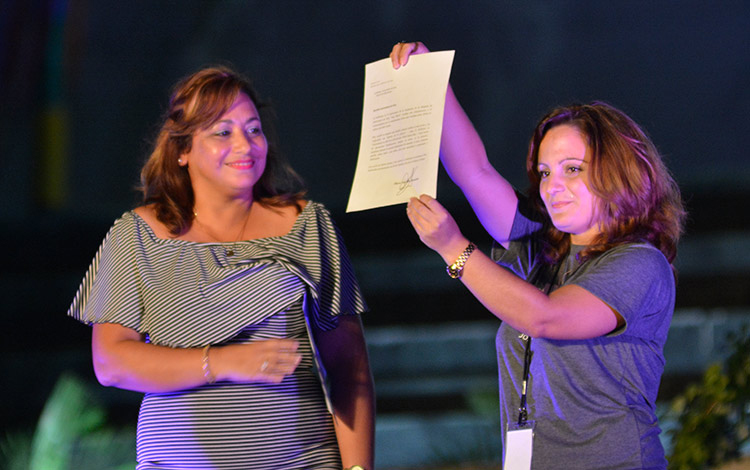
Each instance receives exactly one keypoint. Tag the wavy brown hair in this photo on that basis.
(637, 198)
(197, 102)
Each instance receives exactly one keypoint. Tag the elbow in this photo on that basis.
(110, 347)
(354, 375)
(533, 331)
(358, 375)
(536, 329)
(540, 319)
(103, 376)
(364, 380)
(105, 372)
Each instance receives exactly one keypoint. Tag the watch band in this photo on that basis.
(456, 269)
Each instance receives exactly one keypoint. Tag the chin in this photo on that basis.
(560, 226)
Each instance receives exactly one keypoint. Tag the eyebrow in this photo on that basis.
(230, 121)
(566, 159)
(563, 161)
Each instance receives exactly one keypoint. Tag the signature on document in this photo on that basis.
(406, 182)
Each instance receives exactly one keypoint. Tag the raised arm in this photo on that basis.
(122, 359)
(464, 157)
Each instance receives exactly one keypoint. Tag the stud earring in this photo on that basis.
(179, 160)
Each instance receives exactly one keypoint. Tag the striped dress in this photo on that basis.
(184, 294)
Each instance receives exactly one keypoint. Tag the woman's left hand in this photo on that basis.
(435, 226)
(402, 50)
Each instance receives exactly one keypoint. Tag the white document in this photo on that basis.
(402, 121)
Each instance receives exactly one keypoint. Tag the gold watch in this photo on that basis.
(456, 269)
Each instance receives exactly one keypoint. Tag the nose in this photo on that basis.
(552, 185)
(243, 142)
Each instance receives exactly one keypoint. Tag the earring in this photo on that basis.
(179, 160)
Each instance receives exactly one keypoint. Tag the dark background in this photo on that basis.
(83, 84)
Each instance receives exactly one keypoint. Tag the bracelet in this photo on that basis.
(456, 269)
(206, 369)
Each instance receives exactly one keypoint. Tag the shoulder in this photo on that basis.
(147, 214)
(313, 211)
(636, 280)
(316, 208)
(123, 234)
(127, 223)
(641, 255)
(627, 265)
(317, 219)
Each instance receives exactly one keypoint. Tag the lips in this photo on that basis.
(242, 165)
(559, 205)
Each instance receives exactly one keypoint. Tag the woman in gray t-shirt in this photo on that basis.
(580, 275)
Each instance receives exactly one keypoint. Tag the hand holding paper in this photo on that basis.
(402, 120)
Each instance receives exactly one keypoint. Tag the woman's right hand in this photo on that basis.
(402, 50)
(260, 361)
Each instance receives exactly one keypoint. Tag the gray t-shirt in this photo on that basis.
(593, 400)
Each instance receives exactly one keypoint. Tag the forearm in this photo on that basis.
(512, 300)
(134, 365)
(570, 312)
(122, 359)
(505, 295)
(354, 407)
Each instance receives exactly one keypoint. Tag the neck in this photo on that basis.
(226, 224)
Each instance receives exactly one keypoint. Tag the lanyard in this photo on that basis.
(523, 414)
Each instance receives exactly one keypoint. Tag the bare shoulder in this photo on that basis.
(289, 212)
(148, 214)
(273, 221)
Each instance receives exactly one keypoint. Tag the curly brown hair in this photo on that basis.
(197, 102)
(638, 200)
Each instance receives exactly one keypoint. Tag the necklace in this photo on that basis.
(230, 251)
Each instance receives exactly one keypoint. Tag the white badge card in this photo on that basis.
(518, 445)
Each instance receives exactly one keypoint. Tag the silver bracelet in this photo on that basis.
(206, 368)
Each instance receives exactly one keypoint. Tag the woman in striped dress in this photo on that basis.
(230, 301)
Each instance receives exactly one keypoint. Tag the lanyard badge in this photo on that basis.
(519, 436)
(518, 446)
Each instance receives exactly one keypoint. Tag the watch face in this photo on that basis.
(453, 271)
